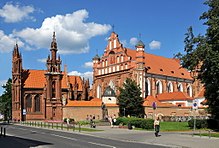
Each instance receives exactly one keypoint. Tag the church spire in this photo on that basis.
(53, 43)
(16, 51)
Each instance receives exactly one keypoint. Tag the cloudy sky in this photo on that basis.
(82, 28)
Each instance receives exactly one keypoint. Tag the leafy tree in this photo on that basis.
(5, 101)
(129, 100)
(202, 53)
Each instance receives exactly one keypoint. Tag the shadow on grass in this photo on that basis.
(15, 142)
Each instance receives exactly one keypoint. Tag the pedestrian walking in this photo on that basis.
(157, 126)
(110, 121)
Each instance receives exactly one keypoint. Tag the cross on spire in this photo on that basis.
(97, 51)
(113, 27)
(139, 36)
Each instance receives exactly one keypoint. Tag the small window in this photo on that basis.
(161, 69)
(172, 71)
(182, 74)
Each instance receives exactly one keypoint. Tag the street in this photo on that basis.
(23, 137)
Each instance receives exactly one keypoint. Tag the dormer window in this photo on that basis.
(172, 71)
(161, 69)
(182, 74)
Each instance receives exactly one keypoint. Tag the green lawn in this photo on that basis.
(174, 126)
(207, 134)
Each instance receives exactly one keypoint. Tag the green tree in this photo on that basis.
(129, 100)
(5, 101)
(202, 52)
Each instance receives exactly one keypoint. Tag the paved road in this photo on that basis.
(23, 137)
(169, 139)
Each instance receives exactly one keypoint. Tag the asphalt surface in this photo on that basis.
(167, 139)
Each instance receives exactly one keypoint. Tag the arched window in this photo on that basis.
(147, 87)
(169, 87)
(98, 91)
(158, 87)
(37, 103)
(189, 91)
(112, 85)
(179, 87)
(28, 103)
(112, 57)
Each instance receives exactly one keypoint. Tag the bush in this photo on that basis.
(213, 124)
(199, 123)
(137, 122)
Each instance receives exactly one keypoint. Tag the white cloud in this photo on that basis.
(15, 13)
(124, 43)
(43, 60)
(133, 41)
(7, 42)
(86, 75)
(88, 64)
(72, 32)
(3, 82)
(155, 44)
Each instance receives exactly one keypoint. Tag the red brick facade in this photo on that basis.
(42, 94)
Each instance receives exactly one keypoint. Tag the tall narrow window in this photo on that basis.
(189, 91)
(147, 87)
(28, 103)
(53, 89)
(37, 103)
(158, 87)
(180, 88)
(170, 87)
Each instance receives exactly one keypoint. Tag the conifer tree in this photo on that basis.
(129, 100)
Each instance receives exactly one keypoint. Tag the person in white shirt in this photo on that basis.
(157, 126)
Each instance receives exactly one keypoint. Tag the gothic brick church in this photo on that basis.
(41, 94)
(161, 79)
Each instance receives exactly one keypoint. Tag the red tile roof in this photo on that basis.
(162, 65)
(36, 79)
(150, 99)
(84, 103)
(174, 96)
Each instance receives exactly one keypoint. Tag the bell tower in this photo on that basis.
(53, 84)
(16, 84)
(140, 63)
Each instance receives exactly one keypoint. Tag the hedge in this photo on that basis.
(137, 122)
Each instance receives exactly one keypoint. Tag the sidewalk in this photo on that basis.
(169, 139)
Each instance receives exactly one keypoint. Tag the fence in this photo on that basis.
(51, 125)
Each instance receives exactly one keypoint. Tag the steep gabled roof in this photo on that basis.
(36, 79)
(162, 65)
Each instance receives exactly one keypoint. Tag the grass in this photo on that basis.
(207, 134)
(174, 126)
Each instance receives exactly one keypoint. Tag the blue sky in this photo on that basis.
(82, 28)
